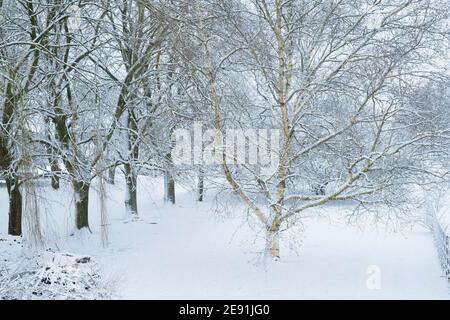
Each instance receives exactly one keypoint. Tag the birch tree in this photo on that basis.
(330, 74)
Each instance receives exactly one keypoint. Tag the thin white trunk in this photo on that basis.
(273, 244)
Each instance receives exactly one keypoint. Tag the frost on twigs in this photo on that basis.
(55, 276)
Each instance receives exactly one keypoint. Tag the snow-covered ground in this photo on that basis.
(194, 251)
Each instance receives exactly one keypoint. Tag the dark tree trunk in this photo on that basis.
(131, 191)
(7, 161)
(130, 168)
(169, 188)
(81, 204)
(112, 175)
(15, 207)
(54, 167)
(169, 182)
(201, 185)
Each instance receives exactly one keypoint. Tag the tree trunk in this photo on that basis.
(273, 237)
(15, 207)
(111, 175)
(169, 188)
(54, 167)
(201, 185)
(130, 168)
(7, 160)
(81, 189)
(131, 190)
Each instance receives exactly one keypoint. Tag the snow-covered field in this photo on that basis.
(194, 251)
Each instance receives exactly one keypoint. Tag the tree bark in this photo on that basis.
(201, 185)
(169, 182)
(15, 207)
(169, 188)
(273, 243)
(273, 237)
(111, 175)
(7, 161)
(81, 189)
(129, 166)
(55, 170)
(131, 190)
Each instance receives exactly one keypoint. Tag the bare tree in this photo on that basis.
(330, 75)
(20, 54)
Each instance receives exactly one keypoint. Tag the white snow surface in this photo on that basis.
(192, 250)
